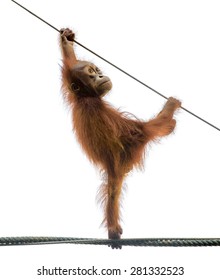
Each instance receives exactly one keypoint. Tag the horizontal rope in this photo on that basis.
(147, 242)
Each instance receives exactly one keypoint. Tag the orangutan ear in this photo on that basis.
(75, 87)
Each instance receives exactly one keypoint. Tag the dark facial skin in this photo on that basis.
(89, 76)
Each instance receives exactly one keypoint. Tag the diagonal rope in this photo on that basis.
(146, 242)
(126, 73)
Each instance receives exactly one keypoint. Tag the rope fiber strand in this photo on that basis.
(146, 242)
(126, 73)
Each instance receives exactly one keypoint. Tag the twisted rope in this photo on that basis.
(150, 242)
(144, 242)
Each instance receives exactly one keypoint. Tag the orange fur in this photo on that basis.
(111, 139)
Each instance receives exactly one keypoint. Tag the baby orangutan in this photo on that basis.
(111, 140)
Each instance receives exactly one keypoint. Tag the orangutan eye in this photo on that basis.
(91, 70)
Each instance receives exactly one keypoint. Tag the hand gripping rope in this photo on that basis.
(157, 242)
(126, 73)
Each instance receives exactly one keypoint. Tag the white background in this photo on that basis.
(48, 187)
